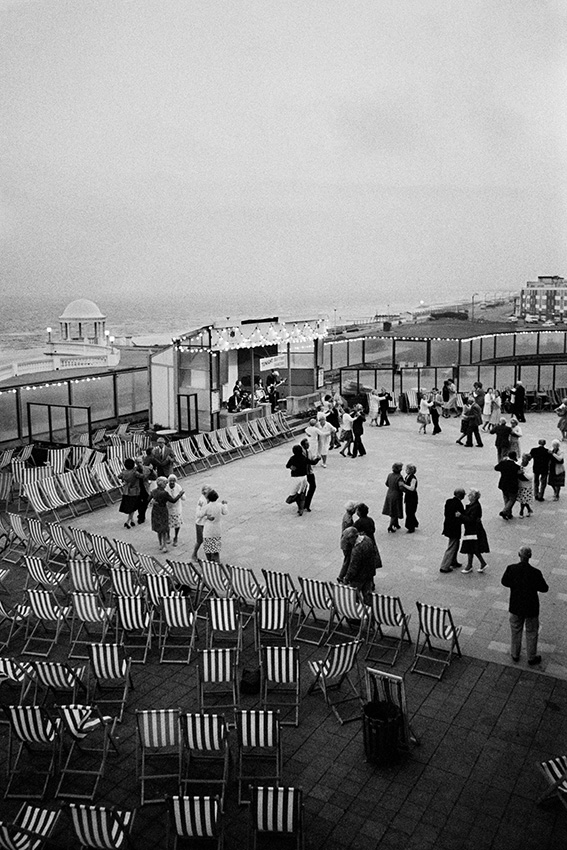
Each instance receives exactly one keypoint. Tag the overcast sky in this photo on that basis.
(276, 152)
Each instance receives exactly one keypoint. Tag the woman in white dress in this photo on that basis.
(174, 509)
(326, 431)
(424, 415)
(515, 437)
(495, 409)
(487, 409)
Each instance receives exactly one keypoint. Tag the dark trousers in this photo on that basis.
(472, 430)
(540, 483)
(509, 497)
(312, 487)
(384, 417)
(143, 500)
(435, 420)
(357, 447)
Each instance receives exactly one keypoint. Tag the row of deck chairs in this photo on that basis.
(69, 494)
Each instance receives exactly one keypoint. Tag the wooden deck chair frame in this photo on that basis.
(30, 829)
(90, 622)
(224, 624)
(348, 615)
(314, 596)
(134, 621)
(60, 680)
(246, 589)
(102, 827)
(555, 772)
(280, 682)
(237, 441)
(251, 438)
(206, 754)
(31, 730)
(91, 736)
(196, 818)
(280, 584)
(18, 540)
(158, 742)
(217, 678)
(199, 463)
(91, 488)
(276, 810)
(437, 623)
(202, 450)
(179, 630)
(332, 671)
(112, 672)
(390, 688)
(272, 622)
(386, 612)
(44, 610)
(187, 579)
(234, 450)
(215, 580)
(259, 740)
(17, 618)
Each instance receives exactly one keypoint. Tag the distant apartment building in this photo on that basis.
(545, 298)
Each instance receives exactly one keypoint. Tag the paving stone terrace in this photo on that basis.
(472, 782)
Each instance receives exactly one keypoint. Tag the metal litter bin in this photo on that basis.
(381, 722)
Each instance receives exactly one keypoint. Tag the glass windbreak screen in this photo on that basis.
(444, 352)
(486, 376)
(339, 355)
(8, 416)
(378, 351)
(98, 395)
(355, 352)
(426, 379)
(366, 380)
(526, 344)
(411, 351)
(504, 377)
(487, 348)
(409, 379)
(551, 343)
(467, 377)
(349, 382)
(504, 345)
(475, 353)
(529, 378)
(561, 377)
(545, 376)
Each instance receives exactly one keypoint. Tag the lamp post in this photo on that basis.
(335, 312)
(48, 335)
(475, 295)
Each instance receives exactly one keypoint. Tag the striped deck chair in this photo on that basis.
(90, 488)
(224, 624)
(270, 425)
(198, 463)
(18, 540)
(271, 622)
(40, 576)
(16, 680)
(60, 680)
(104, 555)
(255, 431)
(122, 429)
(555, 772)
(87, 458)
(32, 731)
(205, 452)
(127, 555)
(4, 573)
(44, 623)
(206, 754)
(91, 737)
(259, 743)
(58, 504)
(99, 437)
(196, 818)
(283, 425)
(84, 439)
(57, 459)
(134, 626)
(180, 463)
(150, 566)
(60, 543)
(158, 585)
(84, 578)
(102, 827)
(389, 688)
(246, 589)
(233, 450)
(36, 499)
(266, 432)
(26, 453)
(386, 612)
(436, 623)
(331, 672)
(116, 450)
(280, 682)
(125, 582)
(12, 621)
(29, 830)
(114, 468)
(218, 451)
(179, 630)
(111, 669)
(108, 485)
(6, 458)
(40, 540)
(187, 579)
(158, 742)
(276, 811)
(412, 402)
(67, 482)
(77, 452)
(315, 596)
(6, 486)
(238, 442)
(91, 621)
(81, 540)
(249, 439)
(217, 680)
(215, 579)
(349, 615)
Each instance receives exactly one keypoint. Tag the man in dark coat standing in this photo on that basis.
(519, 401)
(364, 561)
(502, 433)
(357, 431)
(384, 400)
(474, 421)
(312, 484)
(509, 470)
(163, 458)
(454, 510)
(525, 582)
(541, 459)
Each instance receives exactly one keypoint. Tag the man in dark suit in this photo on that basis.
(384, 400)
(502, 433)
(525, 582)
(357, 431)
(163, 457)
(454, 510)
(509, 470)
(474, 420)
(541, 459)
(519, 401)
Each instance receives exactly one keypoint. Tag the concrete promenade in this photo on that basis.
(472, 781)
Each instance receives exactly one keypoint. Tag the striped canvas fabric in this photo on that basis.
(99, 827)
(79, 720)
(177, 612)
(281, 664)
(276, 809)
(196, 817)
(30, 819)
(217, 665)
(215, 578)
(127, 554)
(556, 771)
(60, 677)
(42, 575)
(159, 727)
(108, 661)
(51, 494)
(272, 615)
(185, 573)
(32, 724)
(315, 594)
(280, 584)
(339, 661)
(204, 731)
(16, 672)
(223, 615)
(158, 586)
(57, 459)
(258, 728)
(436, 622)
(387, 610)
(44, 607)
(103, 552)
(39, 535)
(346, 602)
(81, 541)
(60, 539)
(124, 582)
(88, 609)
(132, 613)
(83, 576)
(35, 497)
(244, 584)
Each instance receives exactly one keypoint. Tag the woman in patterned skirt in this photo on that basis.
(160, 517)
(212, 514)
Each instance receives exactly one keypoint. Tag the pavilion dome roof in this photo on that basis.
(81, 308)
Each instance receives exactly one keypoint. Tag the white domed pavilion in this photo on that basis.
(82, 321)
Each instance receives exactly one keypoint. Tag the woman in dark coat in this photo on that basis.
(474, 540)
(409, 486)
(393, 503)
(131, 477)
